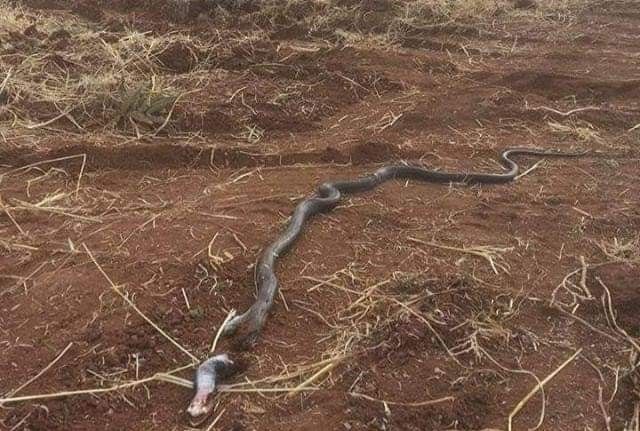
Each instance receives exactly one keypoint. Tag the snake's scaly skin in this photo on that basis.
(327, 196)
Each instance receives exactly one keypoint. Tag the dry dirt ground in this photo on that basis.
(162, 145)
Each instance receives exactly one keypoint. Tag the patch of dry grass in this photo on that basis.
(63, 68)
(579, 130)
(61, 71)
(393, 18)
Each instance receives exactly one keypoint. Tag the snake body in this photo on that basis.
(327, 196)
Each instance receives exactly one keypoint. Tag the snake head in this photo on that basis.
(207, 376)
(201, 404)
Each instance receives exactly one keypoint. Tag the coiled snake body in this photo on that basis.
(327, 196)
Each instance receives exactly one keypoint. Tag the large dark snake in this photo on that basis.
(327, 197)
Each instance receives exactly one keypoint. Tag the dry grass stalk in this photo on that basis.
(11, 218)
(492, 254)
(582, 131)
(430, 327)
(94, 391)
(524, 372)
(624, 251)
(531, 169)
(603, 409)
(587, 324)
(161, 376)
(607, 304)
(216, 420)
(99, 93)
(230, 316)
(116, 289)
(302, 386)
(537, 388)
(44, 206)
(578, 292)
(402, 403)
(561, 113)
(82, 156)
(300, 371)
(12, 392)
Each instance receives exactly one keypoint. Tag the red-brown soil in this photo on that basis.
(272, 118)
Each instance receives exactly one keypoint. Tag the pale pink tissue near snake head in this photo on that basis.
(206, 381)
(200, 404)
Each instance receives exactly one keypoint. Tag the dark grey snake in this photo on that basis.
(326, 198)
